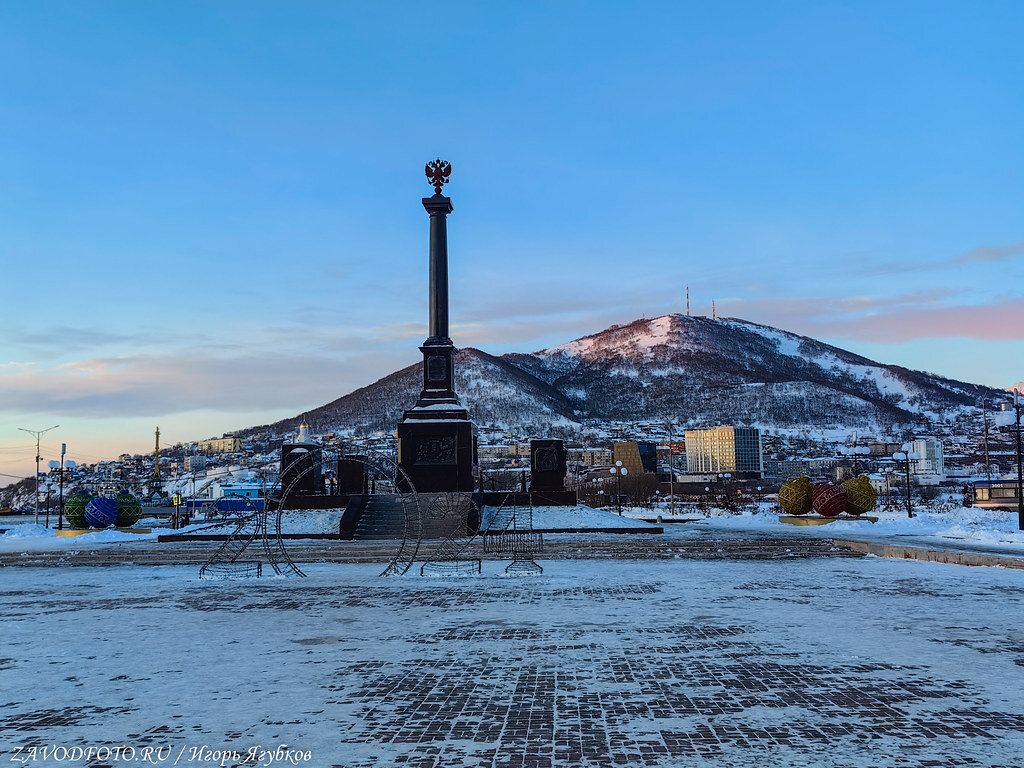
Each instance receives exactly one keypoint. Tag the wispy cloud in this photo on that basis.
(905, 317)
(1002, 321)
(988, 253)
(991, 253)
(169, 384)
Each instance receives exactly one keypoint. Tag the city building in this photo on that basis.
(221, 445)
(194, 463)
(724, 449)
(591, 457)
(638, 458)
(931, 463)
(249, 490)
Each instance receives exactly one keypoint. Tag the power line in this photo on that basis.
(38, 433)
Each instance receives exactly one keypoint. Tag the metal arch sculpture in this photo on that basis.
(386, 478)
(455, 511)
(510, 532)
(226, 561)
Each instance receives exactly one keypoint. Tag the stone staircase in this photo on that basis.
(384, 518)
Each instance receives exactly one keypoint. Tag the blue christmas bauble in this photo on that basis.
(101, 512)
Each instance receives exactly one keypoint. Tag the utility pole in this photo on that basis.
(38, 433)
(60, 514)
(1020, 467)
(988, 464)
(910, 512)
(671, 448)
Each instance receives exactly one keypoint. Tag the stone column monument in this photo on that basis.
(435, 437)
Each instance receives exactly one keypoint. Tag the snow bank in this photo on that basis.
(579, 517)
(970, 524)
(292, 521)
(28, 531)
(960, 525)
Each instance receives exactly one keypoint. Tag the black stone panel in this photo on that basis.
(437, 455)
(547, 465)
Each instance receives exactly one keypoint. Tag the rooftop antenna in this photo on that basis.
(687, 301)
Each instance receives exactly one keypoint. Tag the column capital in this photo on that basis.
(438, 204)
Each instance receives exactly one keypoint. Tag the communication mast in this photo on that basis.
(687, 301)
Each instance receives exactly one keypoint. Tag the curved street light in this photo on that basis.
(907, 456)
(618, 470)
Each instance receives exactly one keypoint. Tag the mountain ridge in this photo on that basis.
(692, 370)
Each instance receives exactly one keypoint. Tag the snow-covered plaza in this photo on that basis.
(663, 662)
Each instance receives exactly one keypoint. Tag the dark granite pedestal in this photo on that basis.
(437, 455)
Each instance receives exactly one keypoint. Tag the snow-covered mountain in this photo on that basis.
(693, 370)
(494, 391)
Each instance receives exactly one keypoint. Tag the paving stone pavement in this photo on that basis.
(842, 663)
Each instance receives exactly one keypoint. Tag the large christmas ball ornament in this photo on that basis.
(795, 496)
(129, 510)
(861, 496)
(101, 512)
(828, 499)
(74, 509)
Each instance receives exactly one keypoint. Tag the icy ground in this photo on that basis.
(947, 526)
(837, 662)
(965, 528)
(37, 538)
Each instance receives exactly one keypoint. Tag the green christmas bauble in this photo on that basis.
(129, 510)
(74, 509)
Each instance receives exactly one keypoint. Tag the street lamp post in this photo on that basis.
(38, 433)
(1020, 466)
(906, 456)
(48, 487)
(618, 470)
(984, 422)
(854, 451)
(60, 515)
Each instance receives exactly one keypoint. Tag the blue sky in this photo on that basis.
(210, 216)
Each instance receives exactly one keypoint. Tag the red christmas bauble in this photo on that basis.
(828, 500)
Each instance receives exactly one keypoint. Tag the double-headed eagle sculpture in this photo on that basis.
(438, 172)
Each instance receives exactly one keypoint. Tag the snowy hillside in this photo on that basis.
(691, 369)
(733, 371)
(495, 392)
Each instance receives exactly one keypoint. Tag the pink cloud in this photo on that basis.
(887, 320)
(1003, 321)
